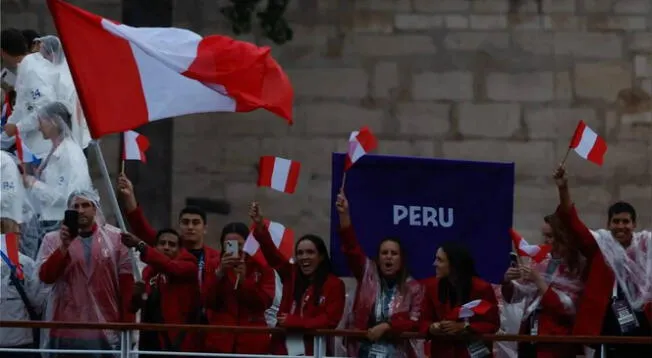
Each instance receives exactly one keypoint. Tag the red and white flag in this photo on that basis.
(588, 144)
(537, 252)
(283, 239)
(278, 173)
(360, 143)
(127, 77)
(135, 146)
(472, 308)
(9, 252)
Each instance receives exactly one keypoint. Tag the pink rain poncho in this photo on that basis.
(92, 282)
(404, 307)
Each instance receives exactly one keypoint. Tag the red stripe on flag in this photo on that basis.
(19, 147)
(265, 170)
(293, 177)
(104, 70)
(598, 151)
(577, 136)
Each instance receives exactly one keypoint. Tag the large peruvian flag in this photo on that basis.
(127, 77)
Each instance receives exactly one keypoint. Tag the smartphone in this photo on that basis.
(231, 247)
(513, 259)
(71, 220)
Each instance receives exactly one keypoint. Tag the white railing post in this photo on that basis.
(125, 344)
(319, 346)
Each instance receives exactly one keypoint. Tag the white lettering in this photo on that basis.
(424, 216)
(400, 213)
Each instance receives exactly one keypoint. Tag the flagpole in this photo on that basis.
(114, 202)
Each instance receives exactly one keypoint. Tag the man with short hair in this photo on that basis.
(91, 276)
(617, 290)
(35, 81)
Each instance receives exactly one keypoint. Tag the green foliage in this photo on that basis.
(275, 27)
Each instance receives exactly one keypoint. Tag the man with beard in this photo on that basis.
(91, 277)
(617, 289)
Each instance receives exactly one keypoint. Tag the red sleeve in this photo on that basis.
(579, 232)
(552, 303)
(428, 311)
(488, 323)
(54, 266)
(126, 282)
(258, 293)
(648, 311)
(213, 290)
(184, 266)
(331, 310)
(140, 226)
(273, 256)
(355, 257)
(409, 321)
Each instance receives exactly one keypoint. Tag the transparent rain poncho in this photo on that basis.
(52, 50)
(12, 190)
(87, 289)
(63, 171)
(632, 266)
(565, 286)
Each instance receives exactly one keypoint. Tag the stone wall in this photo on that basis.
(433, 78)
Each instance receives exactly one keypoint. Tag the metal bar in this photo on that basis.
(63, 351)
(199, 354)
(114, 202)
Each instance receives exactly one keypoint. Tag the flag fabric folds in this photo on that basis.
(127, 77)
(134, 146)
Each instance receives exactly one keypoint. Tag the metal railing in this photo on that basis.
(320, 337)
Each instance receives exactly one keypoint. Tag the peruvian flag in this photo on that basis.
(360, 143)
(22, 152)
(135, 146)
(278, 173)
(537, 252)
(472, 308)
(6, 110)
(127, 77)
(283, 239)
(588, 144)
(9, 252)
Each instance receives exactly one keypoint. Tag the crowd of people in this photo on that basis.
(76, 267)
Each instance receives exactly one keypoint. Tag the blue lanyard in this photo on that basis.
(12, 267)
(200, 272)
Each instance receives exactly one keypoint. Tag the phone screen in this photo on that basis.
(513, 260)
(71, 221)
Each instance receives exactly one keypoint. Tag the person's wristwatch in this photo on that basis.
(141, 246)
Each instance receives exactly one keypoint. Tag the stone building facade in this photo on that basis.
(432, 78)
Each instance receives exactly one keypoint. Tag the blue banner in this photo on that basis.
(426, 202)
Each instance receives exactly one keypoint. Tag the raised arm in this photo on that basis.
(568, 214)
(355, 256)
(135, 216)
(272, 254)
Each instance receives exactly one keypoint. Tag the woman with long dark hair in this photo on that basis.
(238, 293)
(387, 300)
(313, 297)
(458, 302)
(550, 289)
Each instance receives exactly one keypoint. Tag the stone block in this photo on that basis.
(385, 79)
(534, 158)
(522, 87)
(337, 118)
(488, 22)
(223, 124)
(342, 83)
(592, 6)
(397, 45)
(423, 119)
(628, 126)
(552, 123)
(373, 22)
(417, 22)
(563, 86)
(382, 5)
(627, 159)
(614, 76)
(643, 66)
(24, 20)
(314, 153)
(536, 42)
(476, 41)
(550, 6)
(409, 148)
(597, 45)
(456, 22)
(490, 6)
(634, 7)
(640, 196)
(494, 120)
(456, 85)
(529, 198)
(641, 41)
(441, 6)
(625, 23)
(590, 198)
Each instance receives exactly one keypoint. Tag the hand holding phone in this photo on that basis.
(231, 248)
(71, 221)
